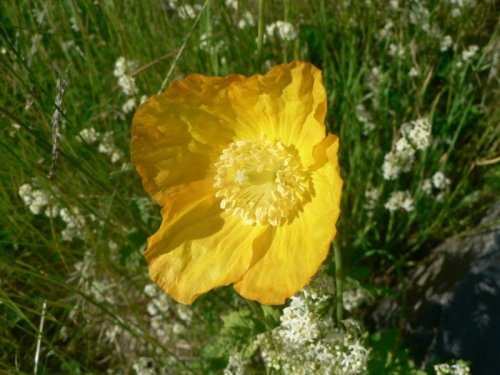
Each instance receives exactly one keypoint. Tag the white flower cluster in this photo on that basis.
(467, 55)
(122, 71)
(144, 366)
(458, 368)
(246, 20)
(396, 50)
(372, 196)
(355, 297)
(75, 224)
(446, 43)
(458, 6)
(106, 144)
(438, 182)
(235, 365)
(283, 30)
(400, 200)
(188, 12)
(365, 118)
(39, 201)
(307, 343)
(414, 136)
(159, 308)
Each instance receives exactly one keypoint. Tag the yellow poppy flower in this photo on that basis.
(247, 178)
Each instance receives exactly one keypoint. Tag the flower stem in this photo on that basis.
(260, 34)
(286, 19)
(338, 283)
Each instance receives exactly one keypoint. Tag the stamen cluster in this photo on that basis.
(261, 182)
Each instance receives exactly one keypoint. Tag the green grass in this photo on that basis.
(41, 40)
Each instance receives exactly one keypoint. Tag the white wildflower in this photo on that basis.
(120, 67)
(446, 43)
(427, 186)
(458, 368)
(186, 12)
(400, 200)
(143, 99)
(24, 192)
(246, 20)
(75, 223)
(14, 129)
(127, 84)
(74, 24)
(395, 50)
(298, 325)
(52, 211)
(36, 200)
(116, 156)
(394, 4)
(232, 4)
(107, 144)
(354, 298)
(413, 72)
(440, 181)
(365, 118)
(89, 135)
(144, 366)
(129, 105)
(420, 134)
(386, 30)
(469, 53)
(284, 30)
(235, 365)
(456, 12)
(372, 196)
(3, 51)
(391, 167)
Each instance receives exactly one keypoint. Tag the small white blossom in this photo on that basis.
(188, 12)
(14, 129)
(246, 20)
(74, 24)
(284, 30)
(469, 53)
(372, 196)
(400, 200)
(123, 67)
(89, 135)
(127, 84)
(446, 43)
(420, 134)
(440, 181)
(427, 186)
(232, 4)
(413, 72)
(458, 368)
(235, 365)
(456, 12)
(395, 50)
(129, 105)
(75, 223)
(143, 366)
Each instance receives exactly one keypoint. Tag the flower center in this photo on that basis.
(261, 182)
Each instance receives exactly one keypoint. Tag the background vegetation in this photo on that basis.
(72, 232)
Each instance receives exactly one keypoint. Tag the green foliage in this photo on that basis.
(99, 316)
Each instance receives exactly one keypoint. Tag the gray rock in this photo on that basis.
(453, 301)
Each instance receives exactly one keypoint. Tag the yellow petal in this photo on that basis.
(198, 247)
(287, 104)
(175, 137)
(286, 257)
